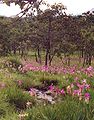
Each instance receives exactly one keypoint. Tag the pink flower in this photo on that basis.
(84, 81)
(57, 90)
(90, 68)
(87, 97)
(19, 82)
(72, 85)
(87, 86)
(81, 86)
(90, 75)
(51, 87)
(78, 84)
(2, 85)
(76, 78)
(77, 92)
(32, 92)
(62, 92)
(72, 71)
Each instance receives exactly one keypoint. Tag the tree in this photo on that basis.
(4, 35)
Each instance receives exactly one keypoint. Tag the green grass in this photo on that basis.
(13, 98)
(69, 109)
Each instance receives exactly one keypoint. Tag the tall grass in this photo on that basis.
(69, 109)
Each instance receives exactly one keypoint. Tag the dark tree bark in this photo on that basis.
(46, 57)
(48, 44)
(36, 57)
(39, 55)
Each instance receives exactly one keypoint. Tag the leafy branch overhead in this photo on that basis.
(25, 5)
(19, 2)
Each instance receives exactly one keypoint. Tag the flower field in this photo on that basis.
(31, 92)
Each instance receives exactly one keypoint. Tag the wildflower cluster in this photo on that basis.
(89, 71)
(77, 89)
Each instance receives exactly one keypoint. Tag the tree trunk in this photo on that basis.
(19, 50)
(69, 60)
(22, 53)
(39, 55)
(36, 57)
(51, 58)
(46, 57)
(87, 59)
(90, 58)
(82, 53)
(48, 45)
(14, 50)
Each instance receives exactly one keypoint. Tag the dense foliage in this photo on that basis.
(51, 31)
